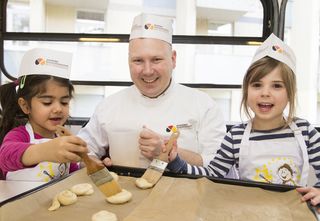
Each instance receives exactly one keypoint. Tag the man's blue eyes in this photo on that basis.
(153, 60)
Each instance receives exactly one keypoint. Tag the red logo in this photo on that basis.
(277, 48)
(149, 26)
(40, 61)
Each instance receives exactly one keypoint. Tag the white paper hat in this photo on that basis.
(46, 62)
(275, 48)
(152, 26)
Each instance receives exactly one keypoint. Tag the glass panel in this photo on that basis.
(216, 64)
(306, 48)
(192, 17)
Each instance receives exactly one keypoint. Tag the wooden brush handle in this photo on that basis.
(92, 165)
(164, 155)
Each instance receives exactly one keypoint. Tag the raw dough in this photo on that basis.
(115, 176)
(89, 192)
(82, 189)
(67, 197)
(122, 197)
(55, 204)
(143, 183)
(104, 215)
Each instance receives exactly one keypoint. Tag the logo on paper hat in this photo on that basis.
(275, 48)
(152, 26)
(46, 62)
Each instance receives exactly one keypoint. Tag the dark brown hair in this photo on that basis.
(11, 113)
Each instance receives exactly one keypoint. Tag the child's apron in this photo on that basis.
(44, 171)
(282, 161)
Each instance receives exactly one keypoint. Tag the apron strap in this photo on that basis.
(30, 132)
(243, 151)
(302, 144)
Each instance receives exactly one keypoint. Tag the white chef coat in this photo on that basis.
(44, 171)
(119, 119)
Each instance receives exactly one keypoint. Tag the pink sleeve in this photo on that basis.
(73, 167)
(12, 149)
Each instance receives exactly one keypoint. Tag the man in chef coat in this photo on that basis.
(132, 126)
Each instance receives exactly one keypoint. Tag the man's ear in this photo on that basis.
(174, 57)
(24, 105)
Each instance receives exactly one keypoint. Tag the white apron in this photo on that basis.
(44, 171)
(282, 161)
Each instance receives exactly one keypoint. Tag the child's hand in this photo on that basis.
(59, 150)
(310, 193)
(174, 152)
(67, 149)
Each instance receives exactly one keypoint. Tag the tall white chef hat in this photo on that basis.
(46, 62)
(275, 48)
(152, 26)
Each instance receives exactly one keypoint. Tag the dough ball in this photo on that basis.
(55, 204)
(89, 192)
(115, 176)
(67, 197)
(122, 197)
(104, 215)
(82, 189)
(143, 183)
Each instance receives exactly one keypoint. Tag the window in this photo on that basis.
(301, 32)
(209, 35)
(89, 22)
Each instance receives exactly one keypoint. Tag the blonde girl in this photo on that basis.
(270, 147)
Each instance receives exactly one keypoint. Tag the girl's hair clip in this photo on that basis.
(22, 81)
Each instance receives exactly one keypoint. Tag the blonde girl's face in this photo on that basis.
(49, 109)
(267, 98)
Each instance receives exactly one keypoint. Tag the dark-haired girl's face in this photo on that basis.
(49, 109)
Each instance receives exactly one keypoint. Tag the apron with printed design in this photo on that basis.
(279, 162)
(44, 171)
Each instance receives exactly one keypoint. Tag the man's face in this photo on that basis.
(151, 62)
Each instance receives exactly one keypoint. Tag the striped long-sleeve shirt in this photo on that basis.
(228, 154)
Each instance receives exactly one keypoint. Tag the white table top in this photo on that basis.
(9, 189)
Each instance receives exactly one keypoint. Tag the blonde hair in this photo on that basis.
(261, 68)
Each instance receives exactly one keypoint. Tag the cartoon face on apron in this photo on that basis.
(282, 161)
(44, 171)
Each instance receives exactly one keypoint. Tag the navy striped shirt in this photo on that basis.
(228, 154)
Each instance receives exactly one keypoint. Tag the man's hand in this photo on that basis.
(107, 161)
(151, 143)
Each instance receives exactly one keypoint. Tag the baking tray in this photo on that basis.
(138, 172)
(33, 190)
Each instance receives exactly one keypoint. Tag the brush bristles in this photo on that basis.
(105, 182)
(152, 175)
(110, 188)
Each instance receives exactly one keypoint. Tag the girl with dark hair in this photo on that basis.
(31, 108)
